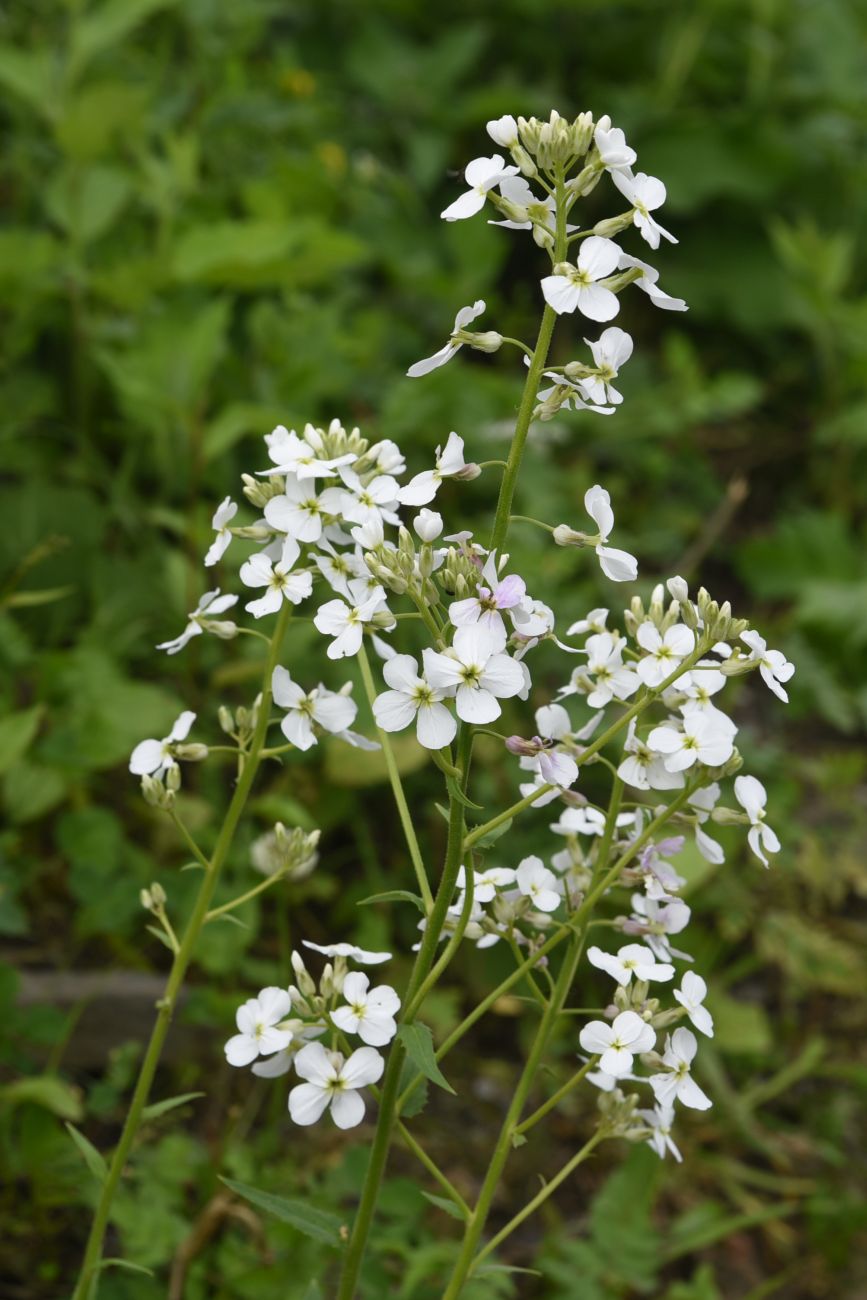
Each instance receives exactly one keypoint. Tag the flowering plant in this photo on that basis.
(444, 634)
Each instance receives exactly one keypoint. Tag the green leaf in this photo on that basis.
(162, 1107)
(16, 732)
(393, 896)
(443, 1203)
(86, 208)
(47, 1091)
(126, 1265)
(417, 1100)
(418, 1041)
(493, 835)
(107, 26)
(92, 1158)
(321, 1225)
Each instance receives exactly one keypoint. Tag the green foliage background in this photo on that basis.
(216, 217)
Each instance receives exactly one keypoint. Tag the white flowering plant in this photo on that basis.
(443, 631)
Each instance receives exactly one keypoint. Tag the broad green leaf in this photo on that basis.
(443, 1203)
(321, 1225)
(16, 733)
(418, 1042)
(92, 1158)
(163, 1107)
(86, 206)
(394, 896)
(47, 1091)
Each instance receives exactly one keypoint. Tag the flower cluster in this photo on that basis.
(284, 1028)
(453, 628)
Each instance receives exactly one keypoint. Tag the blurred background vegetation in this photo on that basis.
(216, 217)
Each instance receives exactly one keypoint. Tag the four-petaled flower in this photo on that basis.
(226, 510)
(645, 193)
(154, 757)
(300, 510)
(659, 1121)
(631, 960)
(611, 350)
(702, 740)
(614, 153)
(211, 604)
(478, 673)
(617, 565)
(346, 623)
(616, 1044)
(449, 463)
(691, 995)
(333, 1081)
(368, 1012)
(482, 174)
(494, 594)
(274, 571)
(677, 1084)
(773, 664)
(258, 1033)
(537, 883)
(664, 651)
(329, 710)
(413, 698)
(573, 288)
(752, 797)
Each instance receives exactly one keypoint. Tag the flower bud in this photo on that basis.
(523, 161)
(582, 134)
(260, 491)
(302, 975)
(224, 717)
(586, 180)
(173, 778)
(678, 589)
(428, 525)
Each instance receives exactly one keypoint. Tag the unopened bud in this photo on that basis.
(587, 180)
(173, 778)
(678, 589)
(526, 748)
(428, 525)
(260, 491)
(302, 975)
(224, 717)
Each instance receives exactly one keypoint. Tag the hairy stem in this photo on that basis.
(88, 1278)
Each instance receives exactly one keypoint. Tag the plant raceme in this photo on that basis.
(445, 632)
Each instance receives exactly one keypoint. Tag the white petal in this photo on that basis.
(436, 726)
(364, 1066)
(307, 1102)
(241, 1050)
(561, 293)
(476, 705)
(146, 757)
(347, 1109)
(314, 1064)
(393, 711)
(595, 1037)
(597, 303)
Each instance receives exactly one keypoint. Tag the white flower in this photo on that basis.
(644, 193)
(333, 1081)
(296, 456)
(427, 364)
(773, 665)
(644, 770)
(482, 174)
(225, 511)
(537, 883)
(660, 1120)
(664, 652)
(449, 463)
(703, 802)
(479, 674)
(494, 594)
(299, 510)
(154, 757)
(413, 699)
(368, 1012)
(594, 622)
(503, 131)
(360, 955)
(631, 960)
(428, 525)
(532, 210)
(211, 604)
(612, 678)
(702, 740)
(346, 623)
(619, 566)
(691, 995)
(257, 1022)
(647, 281)
(614, 153)
(280, 1063)
(371, 503)
(616, 1044)
(678, 1084)
(486, 883)
(576, 287)
(752, 797)
(339, 568)
(330, 710)
(587, 821)
(611, 350)
(263, 570)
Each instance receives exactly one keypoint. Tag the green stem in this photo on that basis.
(531, 388)
(244, 898)
(555, 1098)
(391, 1083)
(86, 1286)
(397, 789)
(540, 1198)
(433, 1169)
